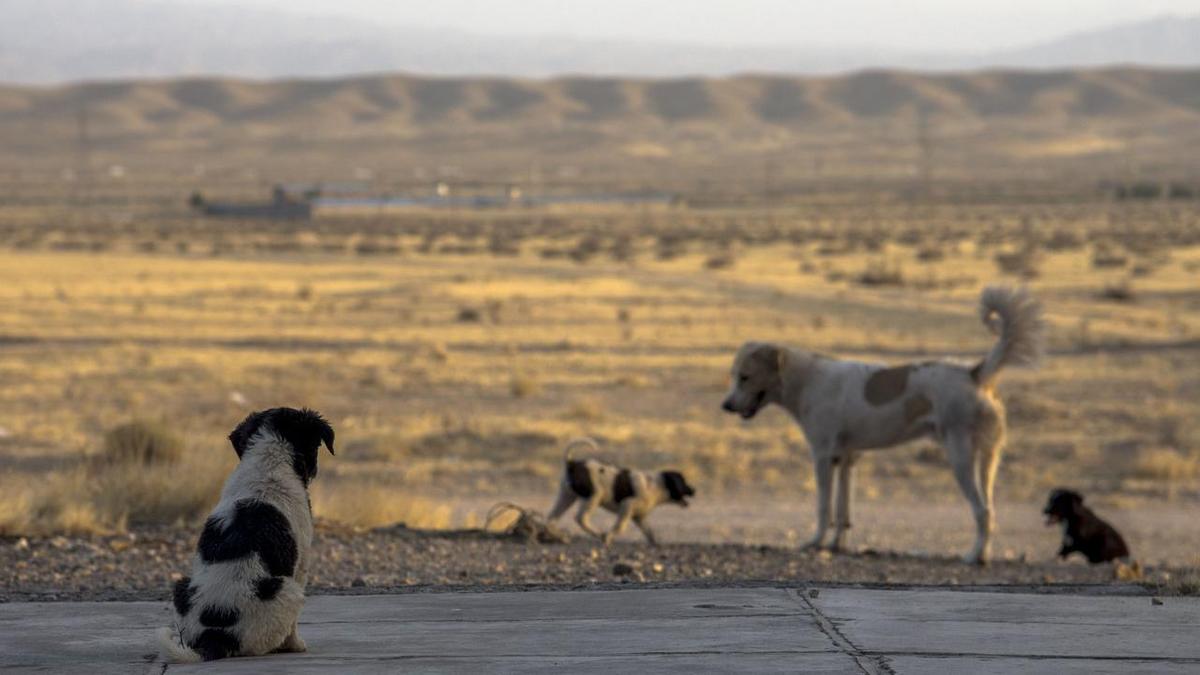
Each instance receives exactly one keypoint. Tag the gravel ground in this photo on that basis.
(143, 563)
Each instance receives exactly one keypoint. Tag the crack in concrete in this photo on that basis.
(1034, 657)
(870, 663)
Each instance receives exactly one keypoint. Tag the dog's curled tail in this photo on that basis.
(174, 651)
(582, 440)
(1016, 317)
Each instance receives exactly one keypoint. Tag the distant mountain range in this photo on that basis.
(51, 41)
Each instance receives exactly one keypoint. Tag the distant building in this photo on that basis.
(283, 205)
(304, 201)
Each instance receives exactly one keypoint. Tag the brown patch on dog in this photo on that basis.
(916, 407)
(887, 385)
(622, 486)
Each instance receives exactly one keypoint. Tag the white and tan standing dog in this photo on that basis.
(630, 494)
(246, 589)
(845, 407)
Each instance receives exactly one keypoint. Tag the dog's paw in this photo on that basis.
(607, 540)
(811, 545)
(293, 645)
(974, 558)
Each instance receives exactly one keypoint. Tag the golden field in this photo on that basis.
(456, 353)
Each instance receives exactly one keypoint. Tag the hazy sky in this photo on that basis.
(926, 25)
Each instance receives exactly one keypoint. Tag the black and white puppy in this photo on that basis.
(630, 494)
(247, 585)
(1083, 530)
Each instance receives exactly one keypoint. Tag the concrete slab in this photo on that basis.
(924, 630)
(658, 630)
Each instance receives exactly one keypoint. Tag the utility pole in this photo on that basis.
(83, 158)
(924, 153)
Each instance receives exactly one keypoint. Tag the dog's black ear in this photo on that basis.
(677, 487)
(305, 430)
(1067, 496)
(242, 433)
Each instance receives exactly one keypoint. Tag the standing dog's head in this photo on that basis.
(1063, 506)
(757, 378)
(304, 430)
(677, 487)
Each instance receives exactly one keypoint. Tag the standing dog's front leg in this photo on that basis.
(845, 489)
(823, 468)
(584, 514)
(640, 521)
(623, 518)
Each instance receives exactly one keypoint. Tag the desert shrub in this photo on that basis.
(1063, 239)
(141, 442)
(670, 246)
(469, 315)
(523, 386)
(1163, 464)
(1117, 291)
(881, 272)
(720, 261)
(585, 410)
(1105, 257)
(930, 254)
(1139, 190)
(621, 249)
(587, 248)
(499, 245)
(1022, 262)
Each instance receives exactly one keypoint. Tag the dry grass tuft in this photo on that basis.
(103, 497)
(141, 442)
(371, 505)
(1023, 262)
(524, 386)
(585, 410)
(1118, 291)
(881, 272)
(1163, 464)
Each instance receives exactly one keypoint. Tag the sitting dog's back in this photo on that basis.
(246, 589)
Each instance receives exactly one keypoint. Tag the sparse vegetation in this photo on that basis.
(455, 359)
(141, 442)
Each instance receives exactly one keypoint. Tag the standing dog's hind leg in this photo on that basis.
(962, 460)
(988, 441)
(823, 468)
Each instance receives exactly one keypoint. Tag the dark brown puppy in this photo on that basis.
(1083, 530)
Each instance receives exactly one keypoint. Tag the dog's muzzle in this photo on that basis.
(746, 413)
(1052, 518)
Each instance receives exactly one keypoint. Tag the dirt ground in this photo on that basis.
(920, 546)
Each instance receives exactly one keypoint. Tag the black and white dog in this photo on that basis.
(630, 494)
(1083, 530)
(247, 585)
